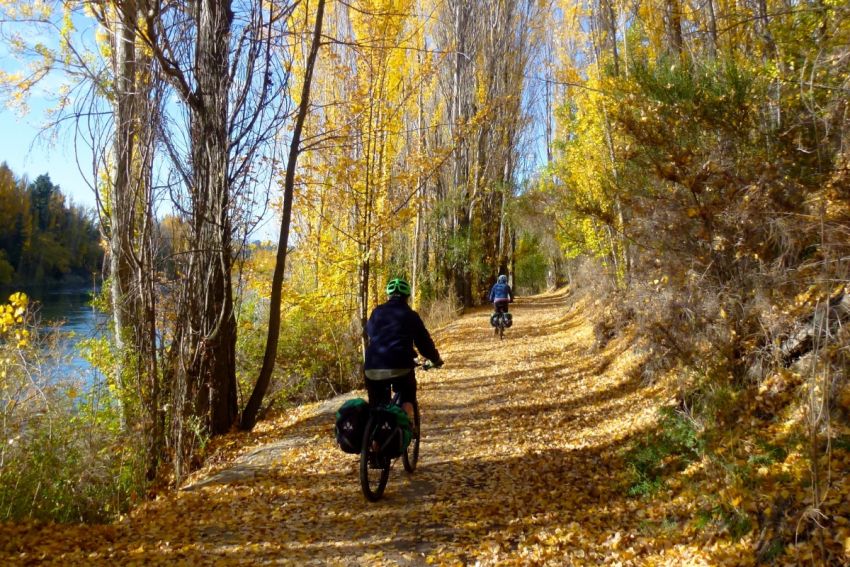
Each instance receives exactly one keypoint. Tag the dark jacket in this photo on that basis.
(393, 329)
(501, 291)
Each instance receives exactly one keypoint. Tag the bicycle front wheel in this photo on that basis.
(374, 468)
(411, 454)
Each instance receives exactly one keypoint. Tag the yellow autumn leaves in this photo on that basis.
(12, 319)
(12, 330)
(522, 464)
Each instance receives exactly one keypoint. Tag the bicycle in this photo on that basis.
(500, 322)
(375, 466)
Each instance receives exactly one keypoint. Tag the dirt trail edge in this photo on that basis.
(520, 464)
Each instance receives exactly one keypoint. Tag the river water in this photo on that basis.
(67, 311)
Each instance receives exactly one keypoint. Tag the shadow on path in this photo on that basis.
(520, 437)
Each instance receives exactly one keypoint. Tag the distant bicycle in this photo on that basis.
(500, 321)
(377, 453)
(500, 296)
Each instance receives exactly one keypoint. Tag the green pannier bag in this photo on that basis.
(351, 420)
(393, 431)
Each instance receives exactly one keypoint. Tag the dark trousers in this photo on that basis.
(379, 390)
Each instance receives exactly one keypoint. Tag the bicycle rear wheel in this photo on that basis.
(374, 468)
(411, 454)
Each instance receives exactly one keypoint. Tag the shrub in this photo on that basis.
(439, 312)
(531, 266)
(318, 351)
(64, 455)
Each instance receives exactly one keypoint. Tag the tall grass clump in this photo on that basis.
(439, 312)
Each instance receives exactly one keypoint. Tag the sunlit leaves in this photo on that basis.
(12, 318)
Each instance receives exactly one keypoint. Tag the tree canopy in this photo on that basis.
(44, 239)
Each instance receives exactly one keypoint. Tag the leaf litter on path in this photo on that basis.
(520, 465)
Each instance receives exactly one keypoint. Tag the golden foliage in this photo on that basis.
(12, 316)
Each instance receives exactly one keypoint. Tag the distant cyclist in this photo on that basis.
(501, 295)
(394, 328)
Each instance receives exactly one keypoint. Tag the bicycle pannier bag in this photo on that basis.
(509, 319)
(350, 424)
(494, 320)
(392, 431)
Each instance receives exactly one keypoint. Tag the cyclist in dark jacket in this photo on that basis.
(394, 328)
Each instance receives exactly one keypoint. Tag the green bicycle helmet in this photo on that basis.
(398, 286)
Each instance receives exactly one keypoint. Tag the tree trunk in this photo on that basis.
(364, 299)
(673, 21)
(712, 29)
(421, 191)
(120, 212)
(130, 224)
(513, 256)
(213, 341)
(249, 415)
(414, 277)
(609, 19)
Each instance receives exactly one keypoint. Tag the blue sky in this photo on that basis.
(27, 153)
(21, 146)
